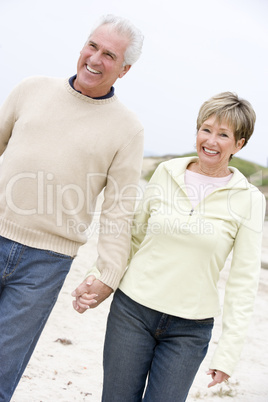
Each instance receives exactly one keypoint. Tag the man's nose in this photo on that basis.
(96, 57)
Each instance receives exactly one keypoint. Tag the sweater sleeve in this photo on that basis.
(8, 118)
(241, 287)
(117, 213)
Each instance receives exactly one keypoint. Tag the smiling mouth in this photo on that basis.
(209, 151)
(91, 70)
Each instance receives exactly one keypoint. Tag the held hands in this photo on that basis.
(217, 377)
(89, 294)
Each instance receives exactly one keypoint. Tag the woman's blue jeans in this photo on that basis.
(144, 346)
(30, 283)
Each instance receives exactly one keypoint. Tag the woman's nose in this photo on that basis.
(212, 139)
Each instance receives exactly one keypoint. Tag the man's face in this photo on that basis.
(101, 62)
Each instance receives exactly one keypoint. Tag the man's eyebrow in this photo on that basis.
(92, 42)
(114, 56)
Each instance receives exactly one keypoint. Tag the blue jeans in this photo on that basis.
(144, 346)
(30, 283)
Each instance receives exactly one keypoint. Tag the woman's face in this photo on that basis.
(215, 143)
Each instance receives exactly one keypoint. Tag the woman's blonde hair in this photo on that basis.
(237, 112)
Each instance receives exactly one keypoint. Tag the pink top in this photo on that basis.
(199, 186)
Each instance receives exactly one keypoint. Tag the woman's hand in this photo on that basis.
(84, 302)
(217, 377)
(89, 294)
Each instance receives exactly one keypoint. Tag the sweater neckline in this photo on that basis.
(96, 101)
(107, 96)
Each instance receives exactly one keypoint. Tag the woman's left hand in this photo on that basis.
(217, 377)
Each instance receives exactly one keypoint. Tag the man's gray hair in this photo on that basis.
(125, 28)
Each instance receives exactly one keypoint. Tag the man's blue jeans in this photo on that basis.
(141, 342)
(30, 283)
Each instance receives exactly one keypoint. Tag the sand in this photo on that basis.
(67, 363)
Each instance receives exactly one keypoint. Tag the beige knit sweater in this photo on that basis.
(61, 149)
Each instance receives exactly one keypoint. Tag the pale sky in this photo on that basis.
(193, 50)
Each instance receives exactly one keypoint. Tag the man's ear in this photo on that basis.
(126, 68)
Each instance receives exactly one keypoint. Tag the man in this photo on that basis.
(63, 142)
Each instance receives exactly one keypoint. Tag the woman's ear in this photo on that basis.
(239, 145)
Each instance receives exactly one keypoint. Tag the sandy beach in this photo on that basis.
(67, 363)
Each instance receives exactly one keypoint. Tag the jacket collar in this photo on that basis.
(176, 169)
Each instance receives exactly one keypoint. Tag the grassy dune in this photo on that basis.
(256, 174)
(251, 170)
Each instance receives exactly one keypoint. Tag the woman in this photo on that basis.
(195, 211)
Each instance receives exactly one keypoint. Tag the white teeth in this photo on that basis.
(209, 151)
(93, 71)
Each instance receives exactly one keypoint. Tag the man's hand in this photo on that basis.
(89, 294)
(217, 377)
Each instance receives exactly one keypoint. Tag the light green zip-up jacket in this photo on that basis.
(178, 253)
